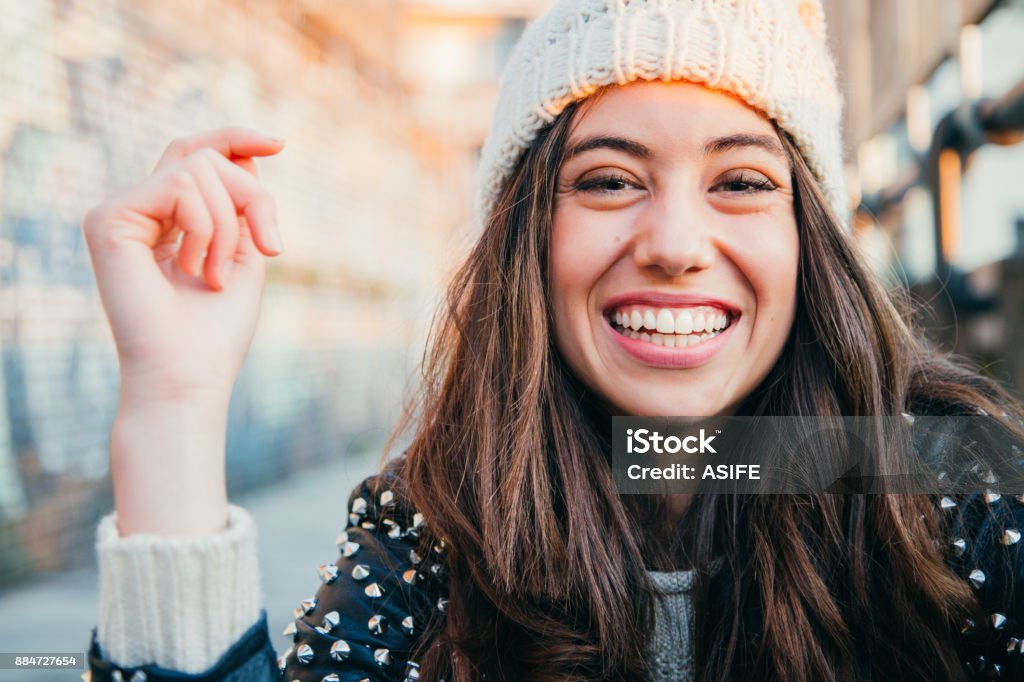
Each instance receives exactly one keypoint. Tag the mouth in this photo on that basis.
(671, 327)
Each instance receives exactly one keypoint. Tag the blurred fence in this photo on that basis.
(92, 91)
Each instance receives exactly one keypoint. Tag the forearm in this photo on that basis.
(167, 463)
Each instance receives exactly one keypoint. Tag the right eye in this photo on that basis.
(604, 184)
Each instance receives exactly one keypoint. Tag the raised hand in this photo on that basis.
(179, 261)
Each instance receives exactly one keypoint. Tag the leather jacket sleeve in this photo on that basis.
(372, 608)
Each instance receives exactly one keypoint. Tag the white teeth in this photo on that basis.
(666, 324)
(670, 328)
(684, 322)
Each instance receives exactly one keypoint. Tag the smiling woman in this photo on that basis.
(663, 233)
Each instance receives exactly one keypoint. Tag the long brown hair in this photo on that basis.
(547, 563)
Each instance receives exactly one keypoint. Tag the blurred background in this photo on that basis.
(385, 104)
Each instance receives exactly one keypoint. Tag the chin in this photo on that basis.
(685, 407)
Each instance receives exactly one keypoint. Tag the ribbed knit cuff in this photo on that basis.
(177, 602)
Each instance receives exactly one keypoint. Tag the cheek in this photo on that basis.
(581, 251)
(769, 255)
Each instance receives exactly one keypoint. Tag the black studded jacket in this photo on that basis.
(387, 587)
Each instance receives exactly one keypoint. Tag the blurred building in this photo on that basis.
(941, 211)
(373, 198)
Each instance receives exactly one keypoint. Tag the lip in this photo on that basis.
(662, 356)
(667, 300)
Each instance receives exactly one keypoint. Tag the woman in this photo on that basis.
(663, 234)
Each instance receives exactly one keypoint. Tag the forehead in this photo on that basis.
(665, 111)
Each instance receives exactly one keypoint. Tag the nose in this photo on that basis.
(673, 236)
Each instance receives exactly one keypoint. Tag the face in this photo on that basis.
(674, 249)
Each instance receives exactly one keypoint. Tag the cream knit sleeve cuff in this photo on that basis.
(177, 602)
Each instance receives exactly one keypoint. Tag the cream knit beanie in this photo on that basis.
(770, 53)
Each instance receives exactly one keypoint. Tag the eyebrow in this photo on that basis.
(717, 145)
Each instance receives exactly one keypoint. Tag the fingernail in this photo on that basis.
(275, 240)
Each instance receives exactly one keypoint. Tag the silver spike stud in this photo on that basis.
(374, 591)
(341, 539)
(412, 671)
(407, 625)
(308, 606)
(340, 650)
(990, 477)
(1012, 645)
(909, 417)
(290, 629)
(349, 548)
(382, 657)
(394, 531)
(387, 499)
(1011, 536)
(414, 557)
(359, 506)
(360, 572)
(333, 677)
(116, 676)
(304, 654)
(409, 576)
(368, 525)
(947, 503)
(998, 621)
(353, 519)
(138, 676)
(297, 613)
(959, 546)
(968, 627)
(417, 521)
(977, 578)
(992, 497)
(328, 573)
(377, 625)
(331, 621)
(442, 604)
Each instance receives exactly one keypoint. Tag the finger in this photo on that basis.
(222, 210)
(254, 202)
(229, 142)
(192, 216)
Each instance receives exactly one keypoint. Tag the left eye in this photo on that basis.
(746, 183)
